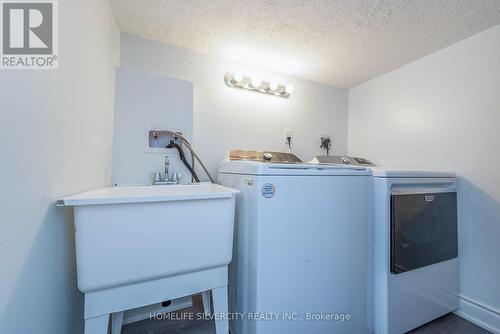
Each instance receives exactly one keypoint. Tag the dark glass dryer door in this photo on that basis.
(423, 229)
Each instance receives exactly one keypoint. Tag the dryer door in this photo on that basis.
(423, 229)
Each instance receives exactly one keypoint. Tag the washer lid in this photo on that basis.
(409, 173)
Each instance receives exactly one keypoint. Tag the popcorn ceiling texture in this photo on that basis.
(338, 42)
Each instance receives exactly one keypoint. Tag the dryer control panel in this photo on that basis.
(342, 160)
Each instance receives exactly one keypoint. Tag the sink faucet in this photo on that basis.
(167, 165)
(176, 177)
(164, 179)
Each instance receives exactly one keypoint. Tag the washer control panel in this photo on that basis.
(264, 156)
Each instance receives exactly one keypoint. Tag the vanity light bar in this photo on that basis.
(238, 80)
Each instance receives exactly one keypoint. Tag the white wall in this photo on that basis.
(147, 101)
(225, 118)
(443, 112)
(55, 139)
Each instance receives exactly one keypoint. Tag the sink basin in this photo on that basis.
(141, 245)
(125, 235)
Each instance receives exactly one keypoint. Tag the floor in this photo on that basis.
(175, 326)
(448, 324)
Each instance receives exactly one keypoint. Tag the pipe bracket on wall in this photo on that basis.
(159, 139)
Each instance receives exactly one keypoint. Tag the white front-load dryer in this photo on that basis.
(415, 248)
(415, 269)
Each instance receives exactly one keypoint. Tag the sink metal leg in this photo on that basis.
(219, 298)
(116, 322)
(97, 325)
(205, 296)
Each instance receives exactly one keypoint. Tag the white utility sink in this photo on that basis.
(141, 245)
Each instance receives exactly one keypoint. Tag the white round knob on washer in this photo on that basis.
(346, 160)
(267, 156)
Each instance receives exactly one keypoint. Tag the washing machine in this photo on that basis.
(415, 248)
(303, 245)
(415, 241)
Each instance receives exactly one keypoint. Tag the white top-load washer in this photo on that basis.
(415, 245)
(302, 254)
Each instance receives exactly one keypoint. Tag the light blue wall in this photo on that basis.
(55, 139)
(146, 101)
(225, 118)
(443, 112)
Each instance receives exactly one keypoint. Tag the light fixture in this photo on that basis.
(255, 84)
(238, 76)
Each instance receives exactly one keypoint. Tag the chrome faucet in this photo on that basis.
(167, 165)
(164, 179)
(176, 177)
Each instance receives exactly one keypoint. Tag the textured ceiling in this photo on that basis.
(337, 42)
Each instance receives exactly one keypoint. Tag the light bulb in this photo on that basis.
(273, 85)
(289, 89)
(238, 76)
(255, 82)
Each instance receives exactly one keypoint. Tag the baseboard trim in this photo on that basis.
(482, 315)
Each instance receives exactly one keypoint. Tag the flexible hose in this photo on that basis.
(183, 159)
(193, 153)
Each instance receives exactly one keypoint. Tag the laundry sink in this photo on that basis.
(126, 235)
